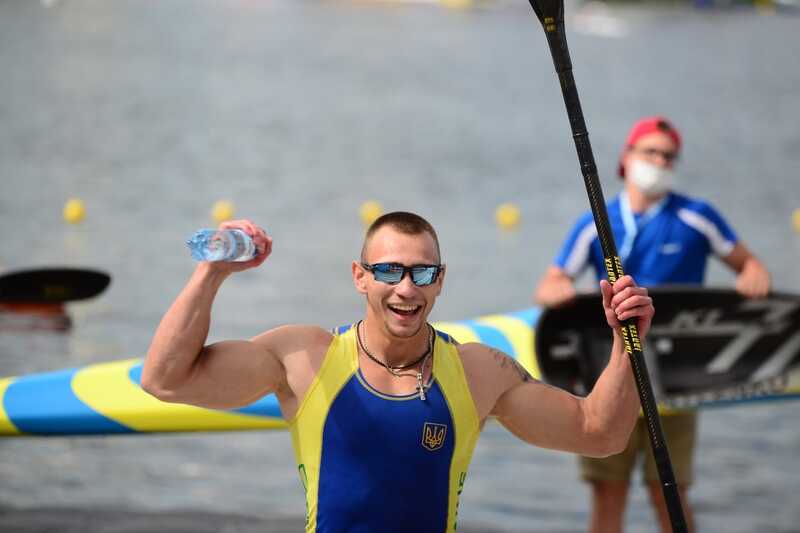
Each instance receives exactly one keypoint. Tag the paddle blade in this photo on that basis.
(52, 285)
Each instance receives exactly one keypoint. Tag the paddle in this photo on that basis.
(51, 285)
(551, 15)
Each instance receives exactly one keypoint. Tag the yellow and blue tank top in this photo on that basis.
(374, 462)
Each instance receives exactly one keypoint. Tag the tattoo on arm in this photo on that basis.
(505, 361)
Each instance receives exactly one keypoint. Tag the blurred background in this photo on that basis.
(297, 112)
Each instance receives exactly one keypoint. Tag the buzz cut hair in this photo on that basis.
(404, 222)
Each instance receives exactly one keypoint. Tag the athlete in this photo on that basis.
(384, 413)
(663, 237)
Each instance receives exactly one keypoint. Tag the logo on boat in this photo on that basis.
(433, 436)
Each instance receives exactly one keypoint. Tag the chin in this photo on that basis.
(406, 330)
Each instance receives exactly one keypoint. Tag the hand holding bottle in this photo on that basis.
(236, 245)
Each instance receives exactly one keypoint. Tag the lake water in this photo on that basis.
(299, 111)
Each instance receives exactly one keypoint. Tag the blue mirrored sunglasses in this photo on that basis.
(392, 273)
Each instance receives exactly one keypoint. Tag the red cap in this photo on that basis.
(646, 126)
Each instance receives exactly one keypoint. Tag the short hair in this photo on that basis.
(404, 222)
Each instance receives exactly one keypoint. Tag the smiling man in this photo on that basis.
(385, 413)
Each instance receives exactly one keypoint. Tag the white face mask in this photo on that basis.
(651, 179)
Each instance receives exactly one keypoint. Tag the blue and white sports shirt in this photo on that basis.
(668, 243)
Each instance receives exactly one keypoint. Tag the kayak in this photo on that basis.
(693, 334)
(106, 398)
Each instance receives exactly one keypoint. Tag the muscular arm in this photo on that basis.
(180, 368)
(598, 425)
(753, 279)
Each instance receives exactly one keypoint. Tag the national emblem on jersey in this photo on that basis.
(433, 436)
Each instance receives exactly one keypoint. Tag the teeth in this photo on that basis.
(404, 307)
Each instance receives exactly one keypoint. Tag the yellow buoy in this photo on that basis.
(74, 211)
(796, 220)
(222, 210)
(507, 216)
(369, 211)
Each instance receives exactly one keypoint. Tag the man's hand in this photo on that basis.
(262, 241)
(625, 300)
(752, 277)
(555, 289)
(753, 281)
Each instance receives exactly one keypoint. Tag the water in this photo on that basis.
(225, 245)
(299, 111)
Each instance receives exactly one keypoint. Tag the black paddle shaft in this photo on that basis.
(551, 15)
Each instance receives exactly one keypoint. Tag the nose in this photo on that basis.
(406, 286)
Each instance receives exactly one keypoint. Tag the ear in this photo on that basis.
(440, 280)
(359, 277)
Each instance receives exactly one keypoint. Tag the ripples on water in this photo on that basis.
(298, 112)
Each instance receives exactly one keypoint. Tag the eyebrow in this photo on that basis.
(398, 263)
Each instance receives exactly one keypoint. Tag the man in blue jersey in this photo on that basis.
(384, 414)
(663, 238)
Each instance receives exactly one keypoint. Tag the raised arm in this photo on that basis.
(597, 425)
(179, 367)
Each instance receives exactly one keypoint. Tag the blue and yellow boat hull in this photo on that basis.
(106, 398)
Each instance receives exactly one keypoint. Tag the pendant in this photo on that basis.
(420, 386)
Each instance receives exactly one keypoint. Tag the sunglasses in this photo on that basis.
(393, 273)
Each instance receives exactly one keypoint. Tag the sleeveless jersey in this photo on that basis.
(375, 462)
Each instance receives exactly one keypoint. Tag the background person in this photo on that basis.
(663, 238)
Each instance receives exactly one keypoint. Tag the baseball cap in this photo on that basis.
(646, 126)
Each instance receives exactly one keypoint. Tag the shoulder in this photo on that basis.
(293, 338)
(472, 353)
(582, 231)
(701, 215)
(696, 205)
(493, 363)
(490, 373)
(585, 219)
(480, 360)
(481, 373)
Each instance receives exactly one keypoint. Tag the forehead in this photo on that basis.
(387, 245)
(656, 139)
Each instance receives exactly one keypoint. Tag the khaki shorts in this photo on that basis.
(680, 432)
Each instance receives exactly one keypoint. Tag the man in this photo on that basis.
(384, 414)
(663, 237)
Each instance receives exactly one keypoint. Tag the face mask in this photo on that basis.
(651, 179)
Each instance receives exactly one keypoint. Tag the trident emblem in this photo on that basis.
(433, 436)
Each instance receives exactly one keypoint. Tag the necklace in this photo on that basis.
(393, 370)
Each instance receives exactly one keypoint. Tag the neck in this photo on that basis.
(390, 349)
(640, 202)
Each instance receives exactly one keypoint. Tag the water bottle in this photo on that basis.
(221, 245)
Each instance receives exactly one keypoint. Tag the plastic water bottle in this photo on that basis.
(221, 245)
